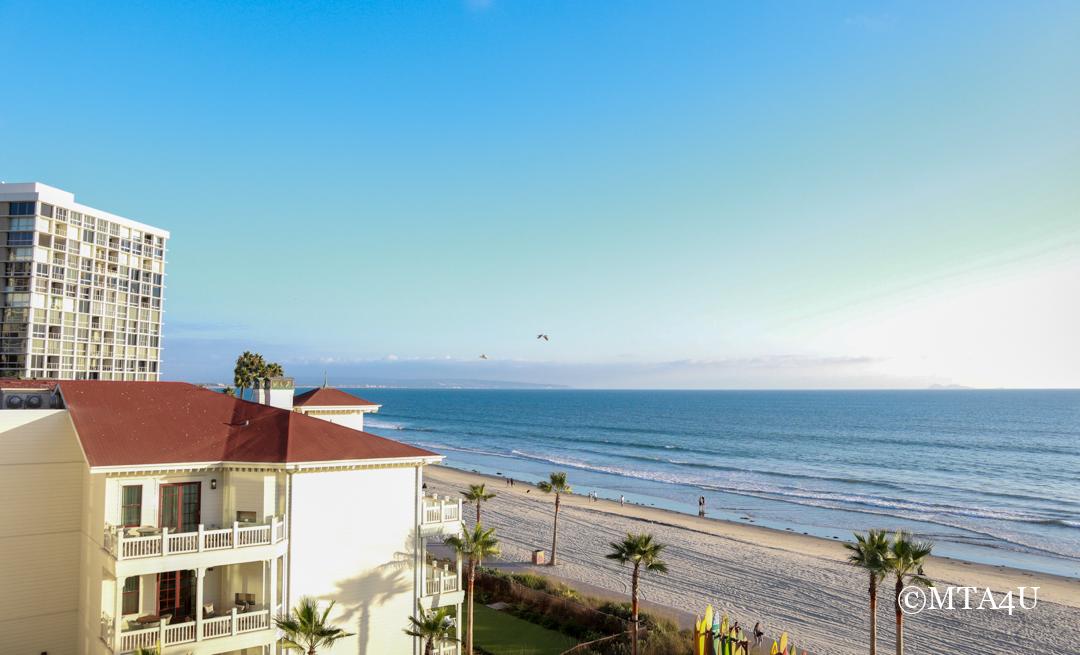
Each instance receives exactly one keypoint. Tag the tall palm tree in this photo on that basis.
(641, 551)
(478, 494)
(432, 627)
(474, 545)
(907, 556)
(870, 552)
(557, 485)
(306, 628)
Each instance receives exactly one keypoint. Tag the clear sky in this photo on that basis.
(681, 194)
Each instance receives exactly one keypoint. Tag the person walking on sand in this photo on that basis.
(758, 634)
(701, 506)
(622, 501)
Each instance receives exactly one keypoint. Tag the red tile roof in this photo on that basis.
(329, 397)
(138, 423)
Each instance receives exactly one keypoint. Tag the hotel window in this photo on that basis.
(131, 509)
(131, 594)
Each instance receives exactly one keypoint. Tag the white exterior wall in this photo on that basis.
(353, 540)
(42, 479)
(353, 419)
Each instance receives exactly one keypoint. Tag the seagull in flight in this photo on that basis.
(483, 356)
(542, 336)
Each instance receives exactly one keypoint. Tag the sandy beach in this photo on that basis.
(790, 582)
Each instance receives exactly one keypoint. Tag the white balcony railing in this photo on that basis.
(440, 509)
(229, 625)
(446, 648)
(440, 579)
(240, 535)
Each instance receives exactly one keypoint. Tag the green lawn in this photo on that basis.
(503, 634)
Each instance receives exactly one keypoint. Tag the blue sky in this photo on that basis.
(682, 194)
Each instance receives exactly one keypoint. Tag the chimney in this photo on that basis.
(276, 392)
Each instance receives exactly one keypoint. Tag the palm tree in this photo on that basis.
(273, 370)
(478, 494)
(555, 484)
(249, 367)
(870, 552)
(156, 650)
(641, 551)
(907, 556)
(431, 627)
(306, 628)
(474, 546)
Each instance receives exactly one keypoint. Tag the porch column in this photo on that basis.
(200, 574)
(118, 609)
(272, 596)
(285, 582)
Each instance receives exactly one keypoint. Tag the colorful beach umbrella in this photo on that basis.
(775, 650)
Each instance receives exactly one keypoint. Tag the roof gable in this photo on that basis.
(330, 397)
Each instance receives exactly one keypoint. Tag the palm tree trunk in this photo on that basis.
(634, 608)
(899, 617)
(469, 633)
(555, 532)
(429, 649)
(478, 512)
(873, 614)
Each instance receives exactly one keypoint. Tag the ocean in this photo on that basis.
(990, 476)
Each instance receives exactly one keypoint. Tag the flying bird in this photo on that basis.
(542, 336)
(482, 356)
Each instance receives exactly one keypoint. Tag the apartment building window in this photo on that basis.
(131, 508)
(21, 209)
(131, 595)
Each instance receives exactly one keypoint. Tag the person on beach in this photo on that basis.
(758, 633)
(701, 506)
(622, 500)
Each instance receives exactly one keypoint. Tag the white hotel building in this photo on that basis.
(82, 289)
(140, 514)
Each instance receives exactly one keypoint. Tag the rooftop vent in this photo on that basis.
(30, 399)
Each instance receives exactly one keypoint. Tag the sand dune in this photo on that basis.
(788, 581)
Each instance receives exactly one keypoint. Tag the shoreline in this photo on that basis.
(794, 582)
(1060, 589)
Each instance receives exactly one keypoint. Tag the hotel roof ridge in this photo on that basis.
(133, 424)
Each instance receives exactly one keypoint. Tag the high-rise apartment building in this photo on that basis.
(82, 289)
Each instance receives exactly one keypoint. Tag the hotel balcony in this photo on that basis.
(440, 585)
(440, 516)
(233, 631)
(198, 612)
(150, 550)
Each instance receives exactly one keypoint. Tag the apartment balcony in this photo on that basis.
(233, 631)
(440, 585)
(148, 550)
(447, 648)
(440, 516)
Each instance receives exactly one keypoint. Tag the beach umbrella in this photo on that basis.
(775, 650)
(783, 642)
(706, 624)
(697, 635)
(716, 634)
